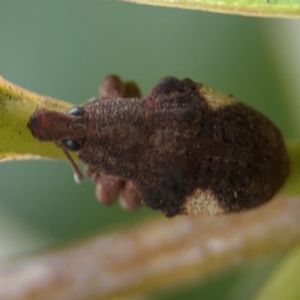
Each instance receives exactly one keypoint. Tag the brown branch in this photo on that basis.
(157, 253)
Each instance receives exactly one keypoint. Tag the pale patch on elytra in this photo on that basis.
(203, 203)
(215, 99)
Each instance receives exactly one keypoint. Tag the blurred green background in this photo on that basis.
(64, 49)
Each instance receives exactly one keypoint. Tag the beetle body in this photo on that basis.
(186, 148)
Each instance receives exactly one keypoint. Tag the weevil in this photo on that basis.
(182, 149)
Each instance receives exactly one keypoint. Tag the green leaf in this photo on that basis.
(16, 107)
(284, 283)
(292, 186)
(262, 8)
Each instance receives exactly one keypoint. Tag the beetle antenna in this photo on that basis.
(78, 176)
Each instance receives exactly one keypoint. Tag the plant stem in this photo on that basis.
(258, 8)
(155, 254)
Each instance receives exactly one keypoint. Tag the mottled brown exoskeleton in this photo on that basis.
(183, 149)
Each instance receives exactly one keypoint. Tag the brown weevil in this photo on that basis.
(182, 149)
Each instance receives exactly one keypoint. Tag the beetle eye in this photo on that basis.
(76, 111)
(70, 144)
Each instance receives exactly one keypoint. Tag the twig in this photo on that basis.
(155, 254)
